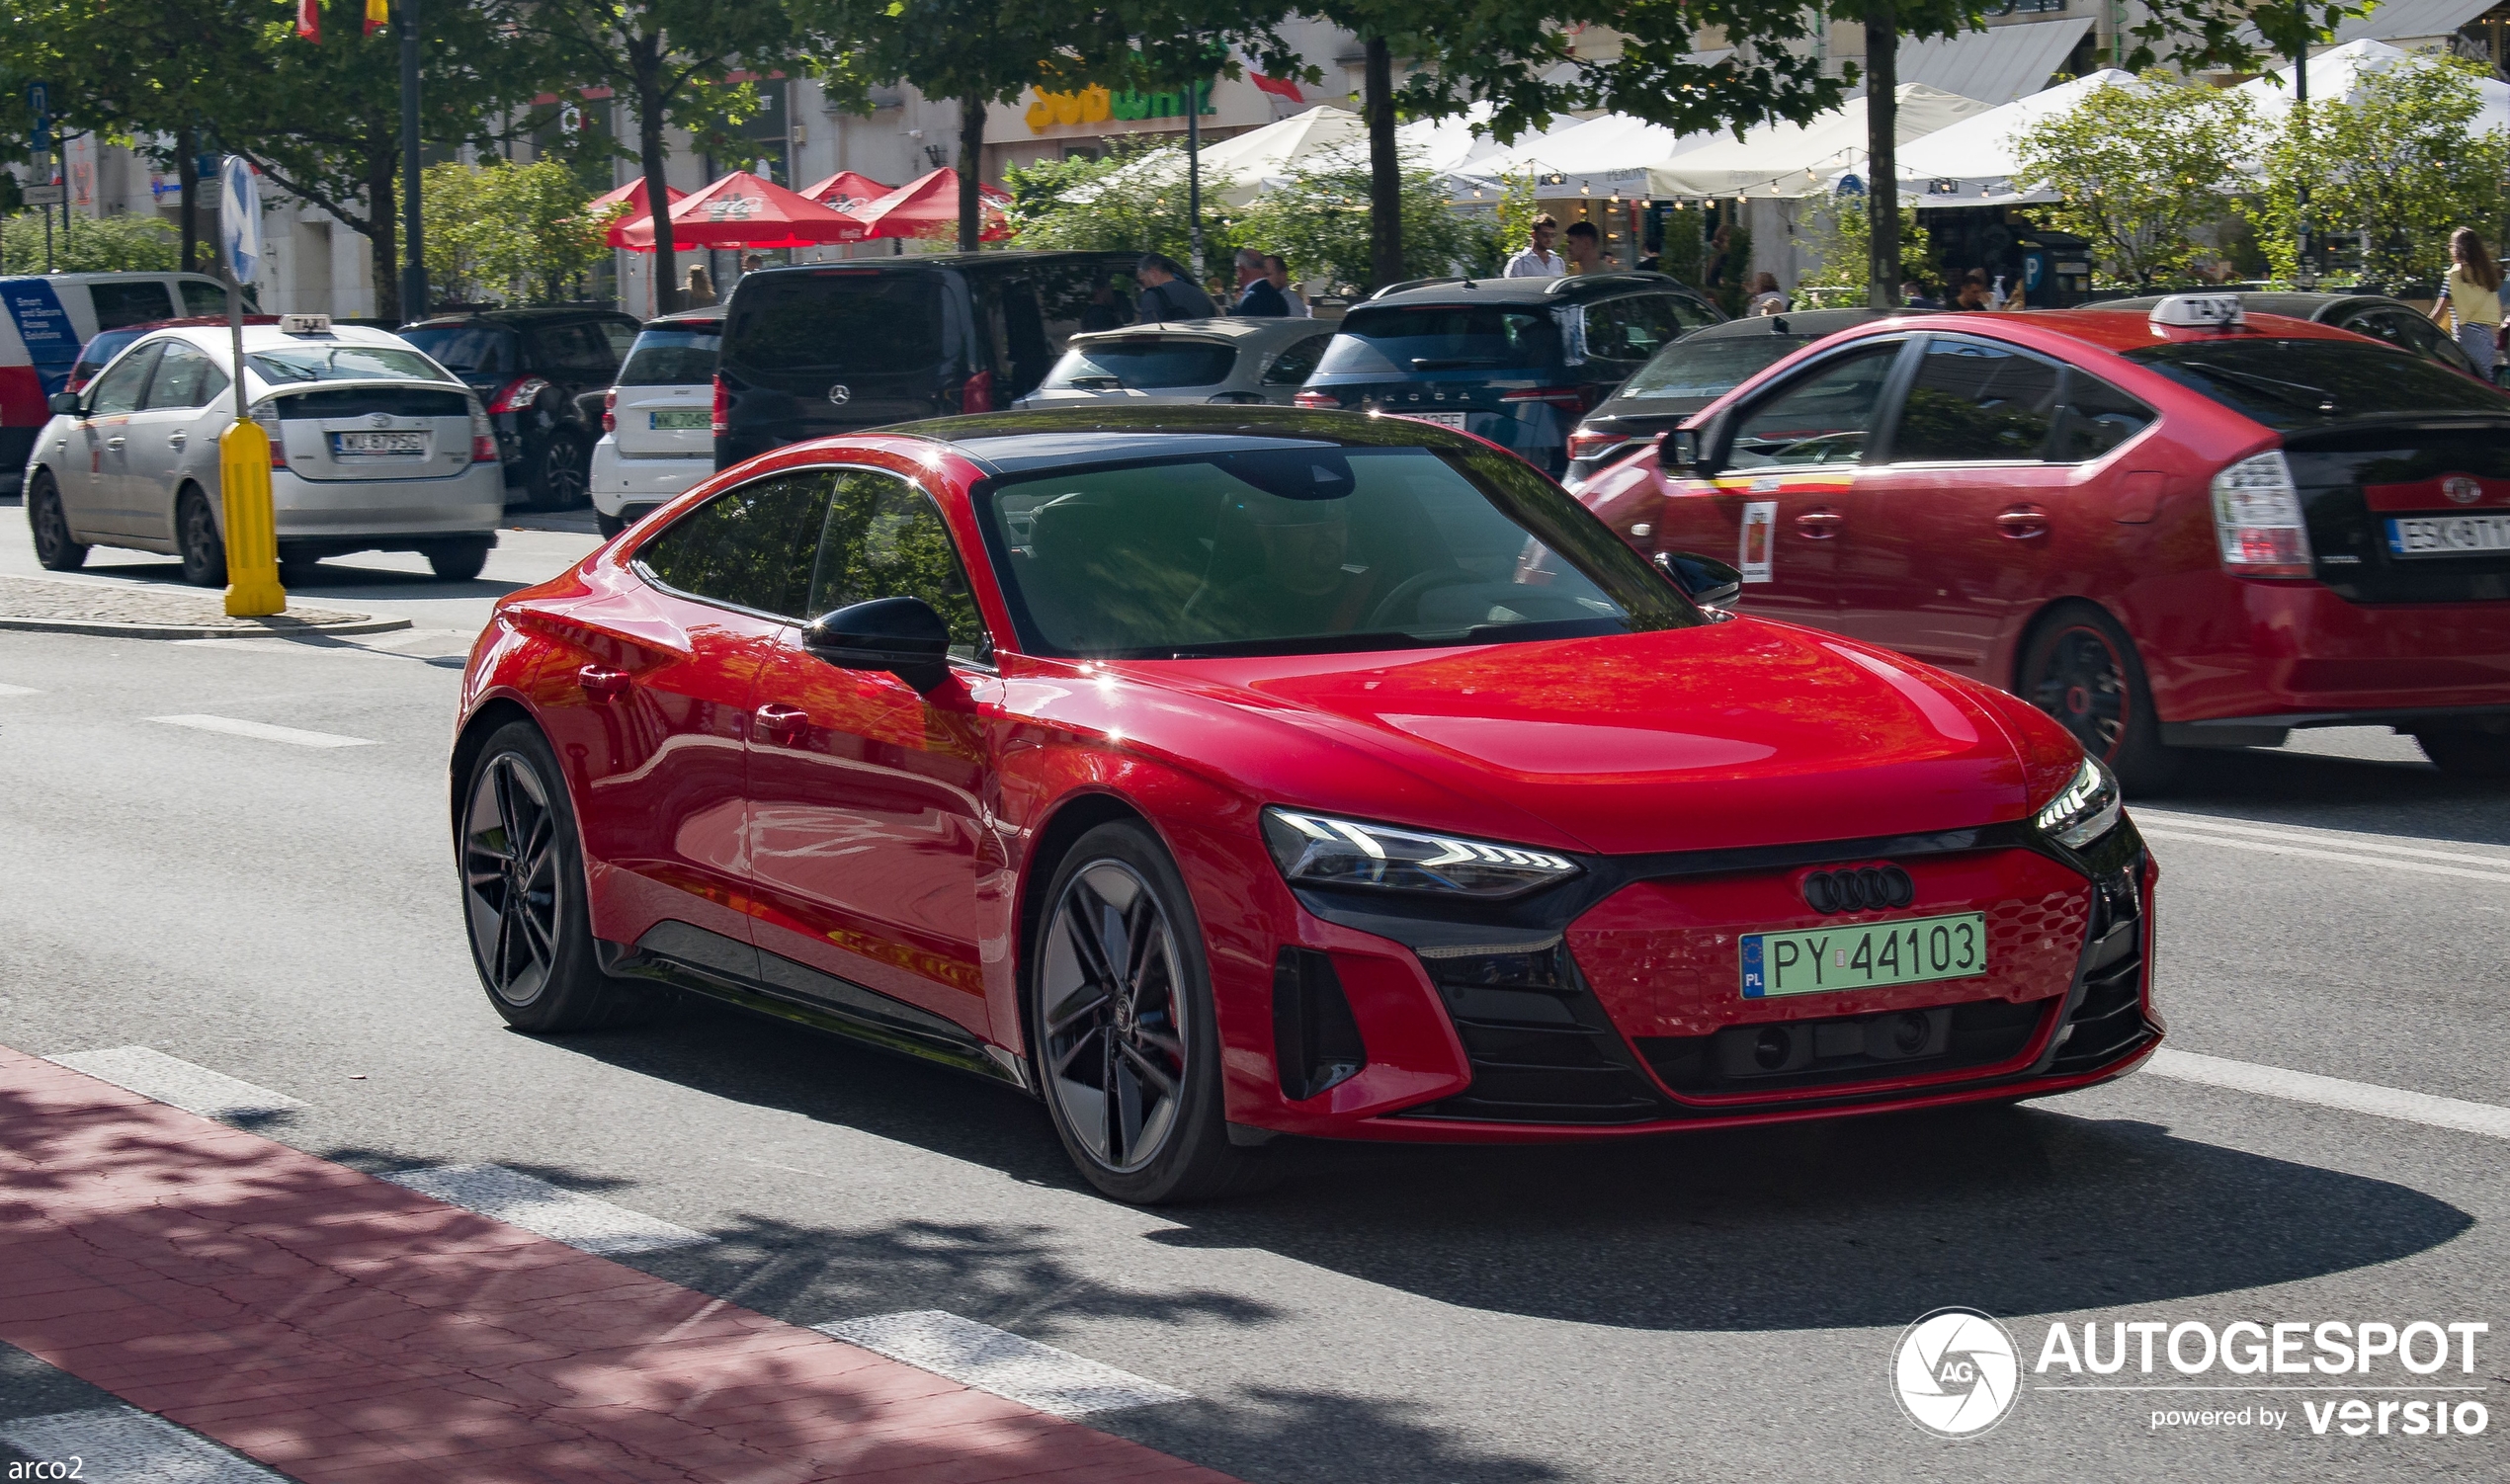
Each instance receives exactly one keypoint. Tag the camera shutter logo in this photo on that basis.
(1955, 1373)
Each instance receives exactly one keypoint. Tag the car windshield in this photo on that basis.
(287, 366)
(1415, 337)
(481, 349)
(2302, 383)
(1301, 547)
(1704, 369)
(1146, 362)
(673, 356)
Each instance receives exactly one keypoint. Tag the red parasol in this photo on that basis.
(847, 192)
(634, 194)
(930, 202)
(744, 210)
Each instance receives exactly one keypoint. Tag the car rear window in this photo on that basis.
(1148, 363)
(1708, 369)
(1411, 339)
(289, 364)
(2309, 383)
(681, 356)
(94, 355)
(483, 350)
(844, 323)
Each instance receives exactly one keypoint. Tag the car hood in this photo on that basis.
(1736, 734)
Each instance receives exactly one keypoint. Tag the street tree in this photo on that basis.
(1322, 218)
(1131, 200)
(517, 232)
(2142, 170)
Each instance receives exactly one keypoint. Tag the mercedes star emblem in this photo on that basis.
(841, 393)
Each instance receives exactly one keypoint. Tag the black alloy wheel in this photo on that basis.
(196, 538)
(1124, 1044)
(2080, 668)
(524, 894)
(562, 477)
(54, 547)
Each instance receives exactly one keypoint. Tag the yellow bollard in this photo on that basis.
(252, 527)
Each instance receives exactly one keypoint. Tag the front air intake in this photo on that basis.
(1316, 1041)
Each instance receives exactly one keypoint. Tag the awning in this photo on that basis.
(1971, 163)
(1996, 65)
(1606, 156)
(2408, 20)
(1802, 159)
(1233, 170)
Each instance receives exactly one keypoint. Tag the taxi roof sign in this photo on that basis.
(305, 324)
(2200, 311)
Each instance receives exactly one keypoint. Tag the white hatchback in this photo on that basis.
(659, 419)
(374, 447)
(1228, 359)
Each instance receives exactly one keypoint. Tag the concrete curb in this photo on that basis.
(279, 628)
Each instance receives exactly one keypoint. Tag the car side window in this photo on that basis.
(751, 547)
(886, 539)
(2096, 418)
(118, 390)
(1632, 328)
(1292, 367)
(186, 377)
(128, 303)
(578, 347)
(1825, 417)
(203, 298)
(1973, 402)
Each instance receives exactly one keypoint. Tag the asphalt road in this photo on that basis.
(1715, 1306)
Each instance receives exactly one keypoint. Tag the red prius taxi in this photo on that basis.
(2176, 530)
(1220, 773)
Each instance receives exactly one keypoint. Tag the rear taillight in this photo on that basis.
(483, 437)
(977, 394)
(609, 410)
(518, 394)
(722, 407)
(1574, 398)
(267, 414)
(2257, 518)
(1322, 401)
(1586, 443)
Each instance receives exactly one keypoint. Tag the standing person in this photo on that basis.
(2472, 295)
(1166, 293)
(1585, 247)
(752, 263)
(1721, 246)
(1972, 293)
(1766, 298)
(1538, 261)
(700, 289)
(1278, 270)
(1257, 298)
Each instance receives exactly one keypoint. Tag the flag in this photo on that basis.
(1282, 86)
(309, 20)
(378, 14)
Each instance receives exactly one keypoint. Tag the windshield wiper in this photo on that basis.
(2318, 399)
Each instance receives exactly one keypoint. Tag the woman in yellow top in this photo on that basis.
(2472, 298)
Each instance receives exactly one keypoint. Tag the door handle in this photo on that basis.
(602, 682)
(1819, 524)
(784, 725)
(113, 443)
(2022, 524)
(178, 438)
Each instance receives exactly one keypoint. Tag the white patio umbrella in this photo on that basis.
(1607, 156)
(1782, 160)
(2339, 72)
(1234, 170)
(1974, 159)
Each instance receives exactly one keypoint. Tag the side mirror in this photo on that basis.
(1696, 445)
(65, 404)
(901, 635)
(1704, 580)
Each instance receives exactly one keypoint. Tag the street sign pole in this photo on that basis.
(243, 449)
(414, 264)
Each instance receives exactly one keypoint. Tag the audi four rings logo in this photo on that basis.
(1863, 888)
(2462, 490)
(841, 393)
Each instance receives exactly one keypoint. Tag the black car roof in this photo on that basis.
(1575, 288)
(1808, 323)
(922, 262)
(1013, 443)
(513, 318)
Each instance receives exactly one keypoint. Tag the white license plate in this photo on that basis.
(2449, 535)
(371, 444)
(1454, 420)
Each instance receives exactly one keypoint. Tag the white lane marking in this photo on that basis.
(120, 1444)
(2342, 858)
(263, 731)
(1004, 1364)
(171, 1080)
(18, 691)
(2333, 1092)
(579, 1220)
(2302, 835)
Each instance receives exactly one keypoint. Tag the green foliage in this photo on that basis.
(1517, 209)
(1686, 244)
(1131, 200)
(1841, 233)
(92, 244)
(2144, 170)
(1734, 275)
(511, 233)
(1319, 219)
(2403, 164)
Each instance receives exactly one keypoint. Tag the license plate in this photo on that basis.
(1864, 955)
(1454, 420)
(2449, 535)
(372, 444)
(670, 422)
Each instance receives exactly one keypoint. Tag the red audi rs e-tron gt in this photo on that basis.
(1218, 773)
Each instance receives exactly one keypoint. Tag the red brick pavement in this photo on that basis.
(348, 1330)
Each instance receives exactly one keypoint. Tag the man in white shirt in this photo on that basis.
(1538, 261)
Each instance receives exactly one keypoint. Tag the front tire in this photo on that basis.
(2475, 752)
(2082, 669)
(1124, 1043)
(610, 525)
(54, 547)
(523, 893)
(197, 538)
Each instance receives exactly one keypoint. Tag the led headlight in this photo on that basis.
(1314, 849)
(2084, 810)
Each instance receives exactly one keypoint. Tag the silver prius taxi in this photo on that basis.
(373, 447)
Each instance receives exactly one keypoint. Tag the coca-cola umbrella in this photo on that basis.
(847, 192)
(745, 210)
(633, 196)
(930, 203)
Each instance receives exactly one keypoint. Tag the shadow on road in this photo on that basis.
(2380, 797)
